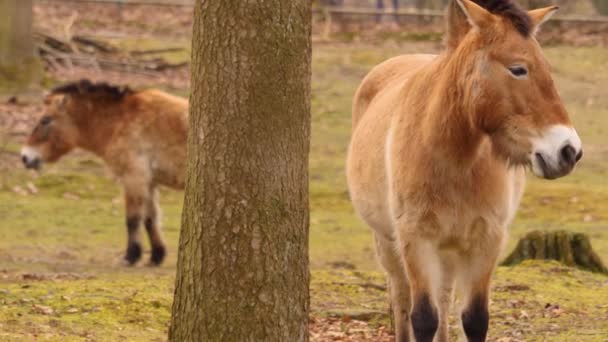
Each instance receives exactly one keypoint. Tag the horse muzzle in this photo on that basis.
(556, 152)
(30, 158)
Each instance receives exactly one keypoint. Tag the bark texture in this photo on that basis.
(572, 249)
(19, 65)
(242, 272)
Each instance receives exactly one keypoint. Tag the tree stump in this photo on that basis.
(571, 249)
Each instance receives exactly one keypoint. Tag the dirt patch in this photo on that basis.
(347, 329)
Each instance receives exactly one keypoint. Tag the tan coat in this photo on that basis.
(141, 136)
(436, 161)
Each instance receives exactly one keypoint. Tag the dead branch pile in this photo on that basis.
(59, 53)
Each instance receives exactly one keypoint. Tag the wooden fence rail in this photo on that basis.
(422, 13)
(174, 3)
(434, 13)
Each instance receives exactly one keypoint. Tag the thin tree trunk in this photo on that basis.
(242, 272)
(19, 65)
(601, 6)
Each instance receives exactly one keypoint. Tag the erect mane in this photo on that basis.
(510, 10)
(97, 90)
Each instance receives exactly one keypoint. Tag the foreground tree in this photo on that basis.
(242, 272)
(19, 65)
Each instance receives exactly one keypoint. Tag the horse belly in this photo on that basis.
(366, 175)
(170, 170)
(376, 99)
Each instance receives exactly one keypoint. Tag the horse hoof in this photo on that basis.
(133, 254)
(158, 255)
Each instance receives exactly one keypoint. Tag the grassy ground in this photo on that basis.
(62, 231)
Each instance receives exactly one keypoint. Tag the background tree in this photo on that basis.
(19, 65)
(242, 272)
(601, 6)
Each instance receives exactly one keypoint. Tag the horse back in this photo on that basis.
(394, 70)
(152, 137)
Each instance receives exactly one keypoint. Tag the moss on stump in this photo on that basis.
(572, 249)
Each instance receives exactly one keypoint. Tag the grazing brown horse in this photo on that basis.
(437, 157)
(141, 136)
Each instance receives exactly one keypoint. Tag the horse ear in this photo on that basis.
(457, 25)
(541, 15)
(477, 16)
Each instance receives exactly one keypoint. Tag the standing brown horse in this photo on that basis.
(140, 135)
(437, 156)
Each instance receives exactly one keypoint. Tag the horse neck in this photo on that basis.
(448, 126)
(96, 125)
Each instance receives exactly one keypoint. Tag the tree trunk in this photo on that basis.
(19, 65)
(601, 6)
(572, 249)
(242, 272)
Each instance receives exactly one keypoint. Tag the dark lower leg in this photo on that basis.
(133, 253)
(425, 320)
(475, 318)
(156, 241)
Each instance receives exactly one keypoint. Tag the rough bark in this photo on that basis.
(572, 249)
(242, 272)
(19, 65)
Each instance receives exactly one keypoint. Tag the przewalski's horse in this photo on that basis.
(141, 136)
(437, 156)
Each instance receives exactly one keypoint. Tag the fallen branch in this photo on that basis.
(365, 316)
(89, 52)
(364, 285)
(154, 51)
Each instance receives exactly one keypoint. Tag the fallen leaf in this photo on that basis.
(41, 309)
(31, 188)
(19, 190)
(70, 196)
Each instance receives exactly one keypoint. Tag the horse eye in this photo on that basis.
(46, 120)
(518, 71)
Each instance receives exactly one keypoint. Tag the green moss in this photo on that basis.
(116, 308)
(547, 301)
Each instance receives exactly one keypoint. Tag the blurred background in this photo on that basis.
(62, 233)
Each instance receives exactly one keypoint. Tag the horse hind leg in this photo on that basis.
(153, 228)
(136, 198)
(398, 286)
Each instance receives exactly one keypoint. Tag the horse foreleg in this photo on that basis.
(422, 264)
(153, 228)
(476, 290)
(134, 209)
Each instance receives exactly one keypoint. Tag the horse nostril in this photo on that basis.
(24, 159)
(569, 154)
(579, 156)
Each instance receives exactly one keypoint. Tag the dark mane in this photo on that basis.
(510, 10)
(98, 90)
